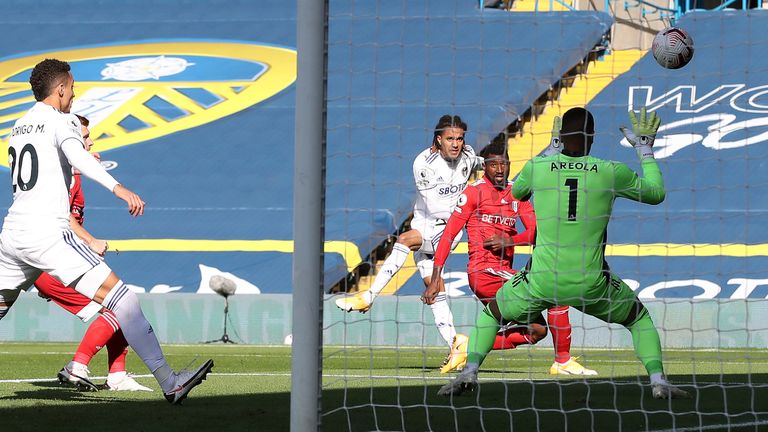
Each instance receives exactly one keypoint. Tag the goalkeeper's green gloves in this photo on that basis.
(555, 146)
(643, 132)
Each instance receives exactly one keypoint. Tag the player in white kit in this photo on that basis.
(441, 173)
(45, 144)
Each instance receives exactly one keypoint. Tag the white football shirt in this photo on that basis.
(40, 172)
(440, 183)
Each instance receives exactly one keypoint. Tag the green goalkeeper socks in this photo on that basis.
(481, 337)
(647, 344)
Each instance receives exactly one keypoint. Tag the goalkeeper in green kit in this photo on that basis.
(574, 195)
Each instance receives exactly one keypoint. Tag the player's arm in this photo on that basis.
(91, 168)
(464, 209)
(71, 144)
(649, 188)
(521, 188)
(98, 246)
(498, 242)
(528, 218)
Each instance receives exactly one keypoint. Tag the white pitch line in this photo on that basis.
(716, 426)
(405, 378)
(69, 353)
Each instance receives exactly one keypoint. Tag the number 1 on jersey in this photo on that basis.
(573, 197)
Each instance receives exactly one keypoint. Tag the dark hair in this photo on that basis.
(577, 132)
(498, 146)
(578, 120)
(445, 122)
(46, 75)
(83, 120)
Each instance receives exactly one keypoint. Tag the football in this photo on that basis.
(672, 48)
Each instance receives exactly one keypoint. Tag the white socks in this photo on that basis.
(440, 309)
(138, 332)
(392, 265)
(443, 318)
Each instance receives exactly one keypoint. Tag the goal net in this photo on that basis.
(697, 261)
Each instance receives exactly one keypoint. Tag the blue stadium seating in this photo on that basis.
(392, 73)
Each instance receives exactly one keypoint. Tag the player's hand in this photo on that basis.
(497, 243)
(431, 291)
(555, 145)
(98, 246)
(135, 203)
(97, 156)
(643, 132)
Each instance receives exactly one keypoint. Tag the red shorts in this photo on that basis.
(485, 284)
(69, 299)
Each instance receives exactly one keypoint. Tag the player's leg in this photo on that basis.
(15, 275)
(103, 331)
(96, 337)
(76, 370)
(7, 299)
(361, 302)
(514, 336)
(443, 318)
(620, 305)
(481, 339)
(441, 311)
(66, 258)
(117, 351)
(118, 378)
(560, 327)
(485, 285)
(514, 303)
(113, 294)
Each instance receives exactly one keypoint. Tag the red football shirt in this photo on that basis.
(77, 199)
(487, 211)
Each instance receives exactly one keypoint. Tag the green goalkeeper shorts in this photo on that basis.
(617, 303)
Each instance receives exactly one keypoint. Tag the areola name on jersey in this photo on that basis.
(581, 166)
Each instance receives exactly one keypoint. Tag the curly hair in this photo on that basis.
(497, 146)
(46, 75)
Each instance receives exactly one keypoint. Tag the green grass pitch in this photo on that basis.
(386, 389)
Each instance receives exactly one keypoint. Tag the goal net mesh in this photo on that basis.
(697, 260)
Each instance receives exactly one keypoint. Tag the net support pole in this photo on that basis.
(308, 214)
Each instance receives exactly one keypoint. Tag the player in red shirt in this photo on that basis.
(104, 330)
(490, 212)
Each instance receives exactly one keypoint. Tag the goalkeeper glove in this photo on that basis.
(643, 132)
(555, 146)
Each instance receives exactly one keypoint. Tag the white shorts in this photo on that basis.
(25, 254)
(431, 231)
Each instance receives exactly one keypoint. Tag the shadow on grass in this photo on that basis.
(557, 405)
(107, 411)
(496, 405)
